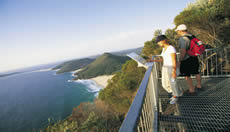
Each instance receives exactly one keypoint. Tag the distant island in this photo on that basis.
(9, 74)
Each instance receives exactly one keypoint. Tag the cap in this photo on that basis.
(160, 38)
(181, 27)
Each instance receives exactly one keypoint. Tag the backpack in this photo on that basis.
(196, 47)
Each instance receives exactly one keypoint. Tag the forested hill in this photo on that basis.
(106, 64)
(72, 65)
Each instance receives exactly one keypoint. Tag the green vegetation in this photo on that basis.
(106, 64)
(120, 90)
(80, 63)
(208, 19)
(72, 65)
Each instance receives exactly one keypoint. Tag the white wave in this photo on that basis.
(72, 74)
(91, 86)
(70, 81)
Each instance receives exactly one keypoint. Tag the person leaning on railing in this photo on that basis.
(169, 68)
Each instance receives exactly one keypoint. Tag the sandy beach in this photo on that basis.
(99, 80)
(102, 80)
(76, 71)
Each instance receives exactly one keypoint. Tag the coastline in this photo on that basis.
(102, 80)
(76, 71)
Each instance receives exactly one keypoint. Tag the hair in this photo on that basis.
(167, 41)
(184, 30)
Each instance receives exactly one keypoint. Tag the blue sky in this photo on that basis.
(41, 31)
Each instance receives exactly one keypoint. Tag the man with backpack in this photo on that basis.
(188, 62)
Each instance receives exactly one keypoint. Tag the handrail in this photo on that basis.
(143, 113)
(132, 118)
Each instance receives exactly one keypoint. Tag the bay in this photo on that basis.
(27, 100)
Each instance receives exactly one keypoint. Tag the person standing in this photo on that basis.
(189, 65)
(169, 68)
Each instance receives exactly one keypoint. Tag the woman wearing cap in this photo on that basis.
(169, 68)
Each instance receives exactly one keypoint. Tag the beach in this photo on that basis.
(102, 80)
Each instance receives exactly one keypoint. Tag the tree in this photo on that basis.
(157, 33)
(208, 19)
(172, 35)
(120, 91)
(150, 47)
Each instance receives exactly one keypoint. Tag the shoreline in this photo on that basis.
(76, 71)
(102, 80)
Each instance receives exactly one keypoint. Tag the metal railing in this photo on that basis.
(143, 112)
(213, 63)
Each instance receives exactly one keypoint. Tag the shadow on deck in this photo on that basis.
(207, 111)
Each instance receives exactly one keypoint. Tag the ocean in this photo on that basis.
(28, 99)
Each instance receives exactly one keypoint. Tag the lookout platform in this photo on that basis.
(207, 111)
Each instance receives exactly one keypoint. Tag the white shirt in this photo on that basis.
(167, 58)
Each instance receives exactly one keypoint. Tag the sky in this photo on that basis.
(34, 32)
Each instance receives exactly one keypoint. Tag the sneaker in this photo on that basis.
(173, 100)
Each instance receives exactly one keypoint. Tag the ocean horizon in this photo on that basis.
(29, 99)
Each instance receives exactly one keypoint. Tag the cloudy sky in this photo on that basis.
(36, 32)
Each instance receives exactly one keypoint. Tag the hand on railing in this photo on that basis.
(155, 60)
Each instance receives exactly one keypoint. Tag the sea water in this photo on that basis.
(27, 100)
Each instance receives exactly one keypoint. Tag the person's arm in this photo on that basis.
(182, 45)
(155, 60)
(173, 55)
(182, 54)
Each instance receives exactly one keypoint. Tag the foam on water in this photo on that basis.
(92, 86)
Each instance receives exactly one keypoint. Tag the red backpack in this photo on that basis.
(196, 47)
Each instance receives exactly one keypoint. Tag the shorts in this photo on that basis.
(189, 66)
